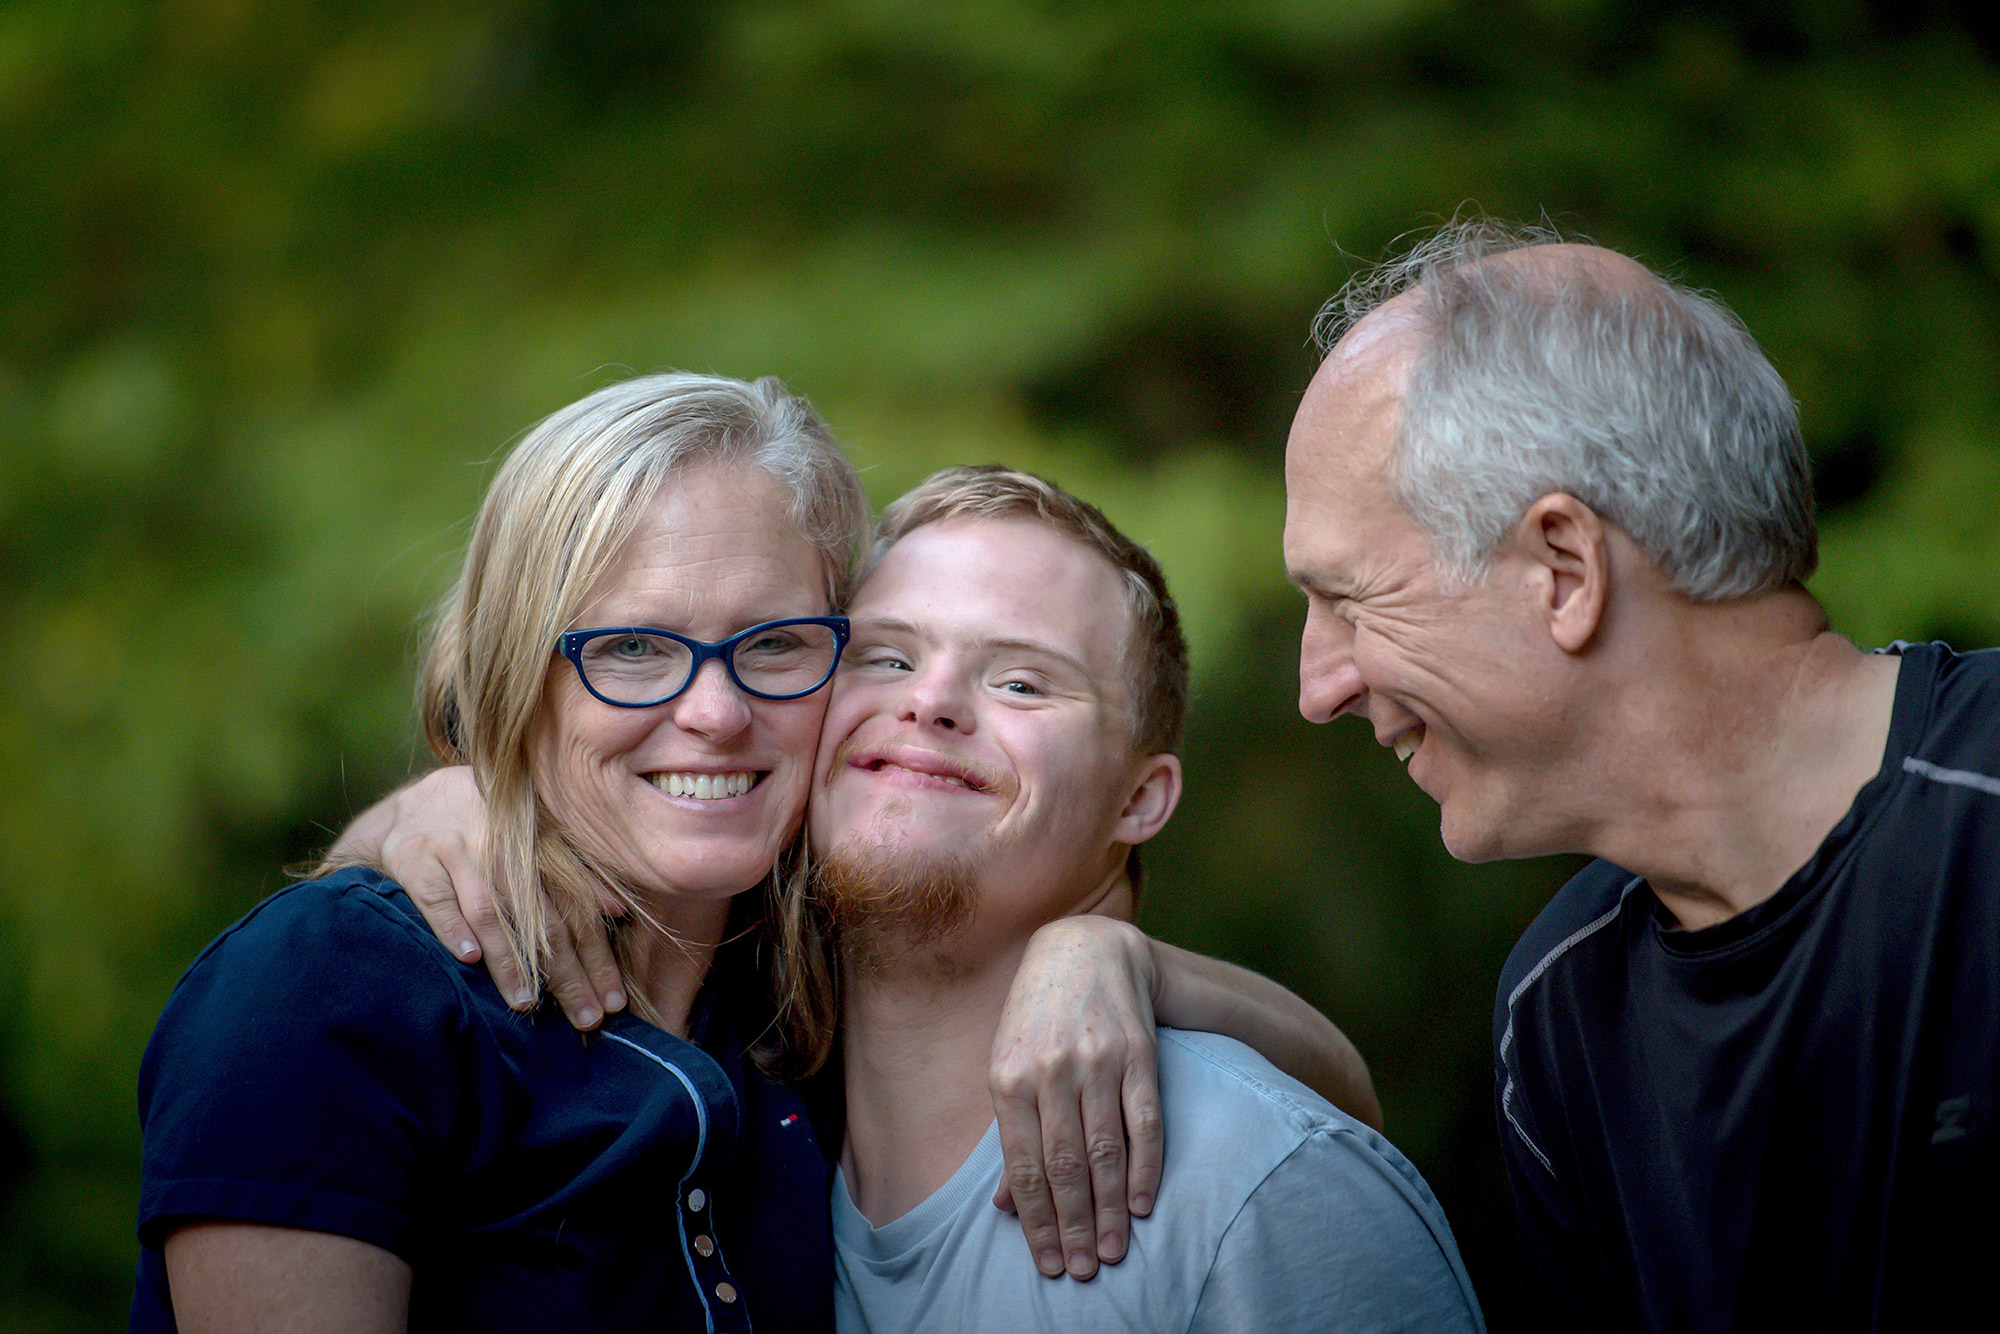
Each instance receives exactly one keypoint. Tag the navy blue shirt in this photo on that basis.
(327, 1064)
(1786, 1120)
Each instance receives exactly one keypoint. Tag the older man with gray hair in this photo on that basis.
(1553, 518)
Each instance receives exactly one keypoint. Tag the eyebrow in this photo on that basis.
(896, 624)
(679, 624)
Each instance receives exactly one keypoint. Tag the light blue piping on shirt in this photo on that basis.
(700, 1147)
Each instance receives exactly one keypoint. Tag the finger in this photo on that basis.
(1023, 1182)
(1066, 1164)
(476, 902)
(569, 983)
(482, 915)
(600, 964)
(1145, 1136)
(1104, 1149)
(430, 885)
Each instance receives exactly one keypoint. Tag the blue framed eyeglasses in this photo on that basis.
(636, 666)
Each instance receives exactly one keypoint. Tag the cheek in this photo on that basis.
(1380, 659)
(793, 730)
(794, 727)
(574, 743)
(845, 711)
(1067, 777)
(1414, 653)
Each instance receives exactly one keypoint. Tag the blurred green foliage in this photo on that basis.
(279, 280)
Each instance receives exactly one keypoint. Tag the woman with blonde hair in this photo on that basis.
(344, 1124)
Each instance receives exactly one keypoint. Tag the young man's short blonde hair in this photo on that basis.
(1156, 658)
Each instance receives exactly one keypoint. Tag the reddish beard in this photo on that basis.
(887, 904)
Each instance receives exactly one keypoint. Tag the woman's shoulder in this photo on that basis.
(303, 1073)
(348, 907)
(342, 946)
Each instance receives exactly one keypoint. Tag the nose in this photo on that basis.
(1329, 682)
(711, 706)
(938, 697)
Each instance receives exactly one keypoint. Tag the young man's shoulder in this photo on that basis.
(1233, 1090)
(1234, 1119)
(1308, 1218)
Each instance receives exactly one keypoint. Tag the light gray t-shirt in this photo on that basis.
(1276, 1211)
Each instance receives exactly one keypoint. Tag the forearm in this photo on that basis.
(1210, 996)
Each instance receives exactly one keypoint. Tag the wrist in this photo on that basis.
(1139, 953)
(1107, 942)
(1148, 963)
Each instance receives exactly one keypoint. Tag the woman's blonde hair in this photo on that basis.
(549, 532)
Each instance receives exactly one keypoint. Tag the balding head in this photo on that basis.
(1515, 364)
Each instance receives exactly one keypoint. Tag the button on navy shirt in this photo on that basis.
(327, 1064)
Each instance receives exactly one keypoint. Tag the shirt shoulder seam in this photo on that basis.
(1970, 779)
(1533, 975)
(1252, 1083)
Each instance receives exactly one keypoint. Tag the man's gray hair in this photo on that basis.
(1651, 403)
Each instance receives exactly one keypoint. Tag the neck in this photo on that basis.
(667, 960)
(916, 1045)
(1742, 734)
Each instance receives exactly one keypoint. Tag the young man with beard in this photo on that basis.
(1000, 743)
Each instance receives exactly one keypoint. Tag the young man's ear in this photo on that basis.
(1156, 791)
(1569, 567)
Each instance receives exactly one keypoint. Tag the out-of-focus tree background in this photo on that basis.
(279, 280)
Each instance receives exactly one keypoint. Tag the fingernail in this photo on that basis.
(522, 998)
(614, 1000)
(1050, 1262)
(1110, 1247)
(1082, 1264)
(587, 1016)
(466, 949)
(1142, 1204)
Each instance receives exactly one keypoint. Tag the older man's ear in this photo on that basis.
(1568, 550)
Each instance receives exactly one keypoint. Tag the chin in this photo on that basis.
(720, 874)
(870, 843)
(1469, 841)
(901, 823)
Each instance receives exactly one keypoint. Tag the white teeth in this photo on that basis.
(1406, 745)
(704, 787)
